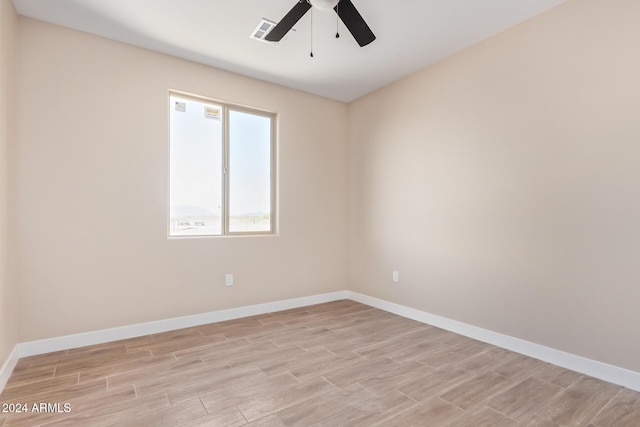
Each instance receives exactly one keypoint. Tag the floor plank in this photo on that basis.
(622, 410)
(524, 399)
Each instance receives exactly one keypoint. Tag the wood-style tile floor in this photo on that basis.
(335, 364)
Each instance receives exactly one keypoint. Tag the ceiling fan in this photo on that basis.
(345, 10)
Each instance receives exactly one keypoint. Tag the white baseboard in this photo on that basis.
(7, 368)
(603, 371)
(33, 348)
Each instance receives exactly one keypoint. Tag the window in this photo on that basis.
(221, 168)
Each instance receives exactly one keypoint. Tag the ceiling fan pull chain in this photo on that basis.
(338, 21)
(311, 33)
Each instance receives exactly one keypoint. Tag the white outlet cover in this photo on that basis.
(228, 280)
(396, 277)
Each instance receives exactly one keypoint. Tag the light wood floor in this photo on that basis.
(335, 364)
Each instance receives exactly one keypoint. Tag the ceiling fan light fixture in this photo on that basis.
(324, 4)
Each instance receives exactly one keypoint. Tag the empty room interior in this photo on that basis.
(337, 213)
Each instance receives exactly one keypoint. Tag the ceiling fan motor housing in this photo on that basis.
(324, 4)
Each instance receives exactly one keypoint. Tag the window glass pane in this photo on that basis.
(249, 172)
(195, 167)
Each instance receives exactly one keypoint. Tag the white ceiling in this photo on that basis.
(411, 34)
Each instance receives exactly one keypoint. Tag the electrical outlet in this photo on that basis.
(228, 280)
(396, 277)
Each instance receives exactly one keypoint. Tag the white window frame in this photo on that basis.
(226, 108)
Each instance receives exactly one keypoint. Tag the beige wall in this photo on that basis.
(504, 184)
(8, 297)
(92, 189)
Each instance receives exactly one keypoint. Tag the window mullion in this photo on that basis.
(225, 170)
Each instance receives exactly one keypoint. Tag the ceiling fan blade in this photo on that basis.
(289, 20)
(354, 22)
